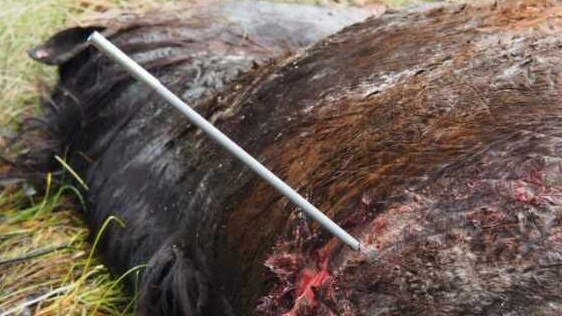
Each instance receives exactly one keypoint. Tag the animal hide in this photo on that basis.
(431, 136)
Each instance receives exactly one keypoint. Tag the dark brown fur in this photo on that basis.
(433, 137)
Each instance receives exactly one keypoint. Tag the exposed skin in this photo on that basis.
(431, 136)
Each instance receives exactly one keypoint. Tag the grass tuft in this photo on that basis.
(50, 271)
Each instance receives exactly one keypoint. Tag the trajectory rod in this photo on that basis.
(141, 74)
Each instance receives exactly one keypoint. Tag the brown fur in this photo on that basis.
(431, 136)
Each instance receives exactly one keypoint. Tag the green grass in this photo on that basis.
(46, 262)
(22, 24)
(50, 241)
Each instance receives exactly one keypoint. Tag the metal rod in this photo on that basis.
(141, 74)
